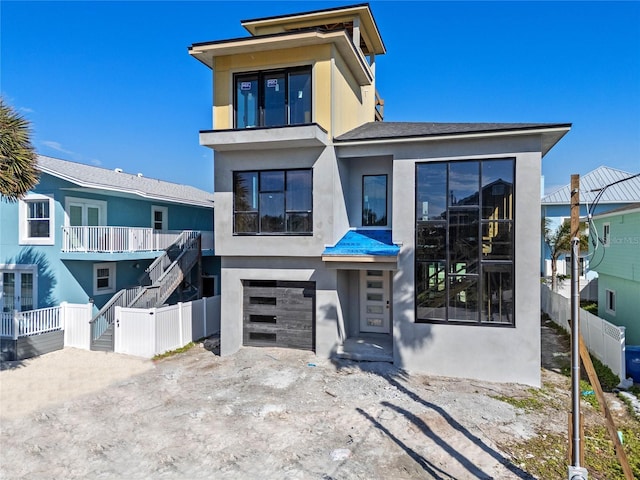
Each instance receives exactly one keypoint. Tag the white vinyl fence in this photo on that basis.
(146, 332)
(66, 316)
(604, 340)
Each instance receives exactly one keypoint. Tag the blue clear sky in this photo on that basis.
(112, 84)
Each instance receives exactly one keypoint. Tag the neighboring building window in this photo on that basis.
(610, 301)
(273, 98)
(36, 217)
(606, 234)
(273, 202)
(85, 212)
(18, 287)
(159, 217)
(104, 278)
(464, 242)
(374, 200)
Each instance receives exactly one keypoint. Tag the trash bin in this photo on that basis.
(632, 361)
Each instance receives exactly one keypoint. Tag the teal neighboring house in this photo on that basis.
(556, 206)
(617, 261)
(84, 233)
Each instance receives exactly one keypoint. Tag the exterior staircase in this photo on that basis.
(157, 284)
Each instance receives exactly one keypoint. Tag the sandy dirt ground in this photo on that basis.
(259, 414)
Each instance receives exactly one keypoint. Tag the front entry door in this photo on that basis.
(374, 301)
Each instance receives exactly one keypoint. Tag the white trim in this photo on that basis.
(112, 278)
(132, 191)
(453, 136)
(20, 269)
(610, 295)
(165, 217)
(606, 234)
(85, 202)
(23, 216)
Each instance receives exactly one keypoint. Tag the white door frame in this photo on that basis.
(375, 308)
(18, 270)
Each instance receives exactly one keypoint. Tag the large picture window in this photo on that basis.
(464, 242)
(273, 202)
(273, 98)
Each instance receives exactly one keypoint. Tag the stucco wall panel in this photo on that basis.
(324, 195)
(470, 351)
(352, 105)
(226, 66)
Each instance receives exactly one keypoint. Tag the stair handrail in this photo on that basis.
(108, 311)
(158, 292)
(188, 241)
(162, 263)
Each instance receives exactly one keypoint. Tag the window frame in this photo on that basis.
(85, 204)
(111, 266)
(260, 76)
(386, 201)
(606, 234)
(286, 211)
(441, 272)
(165, 218)
(610, 301)
(23, 220)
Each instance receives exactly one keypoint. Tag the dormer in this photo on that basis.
(307, 69)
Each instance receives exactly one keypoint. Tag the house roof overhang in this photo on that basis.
(89, 186)
(328, 18)
(207, 52)
(265, 138)
(377, 133)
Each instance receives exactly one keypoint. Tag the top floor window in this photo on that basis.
(273, 98)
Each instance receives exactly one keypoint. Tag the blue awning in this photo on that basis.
(365, 243)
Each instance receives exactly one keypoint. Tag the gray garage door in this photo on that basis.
(279, 314)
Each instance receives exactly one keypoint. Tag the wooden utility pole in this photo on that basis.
(576, 441)
(586, 359)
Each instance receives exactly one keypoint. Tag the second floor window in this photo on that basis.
(374, 200)
(273, 202)
(273, 98)
(36, 220)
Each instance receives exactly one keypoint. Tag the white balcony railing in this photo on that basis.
(117, 239)
(22, 324)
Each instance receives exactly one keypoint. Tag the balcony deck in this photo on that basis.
(92, 243)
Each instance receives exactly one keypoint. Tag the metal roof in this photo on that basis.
(591, 183)
(89, 176)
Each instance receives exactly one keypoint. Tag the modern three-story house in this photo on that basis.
(339, 231)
